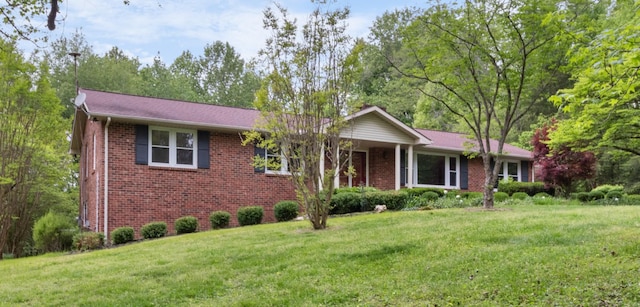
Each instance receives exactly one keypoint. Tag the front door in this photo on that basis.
(359, 162)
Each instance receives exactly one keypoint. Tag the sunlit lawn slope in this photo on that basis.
(521, 255)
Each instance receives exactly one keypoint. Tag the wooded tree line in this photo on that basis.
(491, 69)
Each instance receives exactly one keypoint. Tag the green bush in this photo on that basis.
(531, 188)
(614, 194)
(430, 196)
(394, 200)
(500, 196)
(596, 195)
(420, 191)
(455, 202)
(470, 195)
(606, 188)
(88, 240)
(219, 219)
(347, 202)
(582, 196)
(633, 199)
(186, 224)
(250, 215)
(355, 190)
(122, 235)
(519, 195)
(633, 189)
(286, 210)
(54, 232)
(154, 230)
(542, 195)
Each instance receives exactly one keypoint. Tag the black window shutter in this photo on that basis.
(142, 144)
(258, 151)
(203, 149)
(403, 170)
(464, 172)
(524, 168)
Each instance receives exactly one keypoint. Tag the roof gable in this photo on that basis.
(374, 124)
(451, 141)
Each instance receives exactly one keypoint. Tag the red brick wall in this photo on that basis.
(91, 179)
(139, 194)
(476, 175)
(382, 168)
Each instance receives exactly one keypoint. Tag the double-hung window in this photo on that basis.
(173, 147)
(512, 169)
(436, 170)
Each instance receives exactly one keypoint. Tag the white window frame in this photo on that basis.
(284, 166)
(447, 170)
(505, 170)
(173, 149)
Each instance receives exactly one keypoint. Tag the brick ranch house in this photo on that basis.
(146, 159)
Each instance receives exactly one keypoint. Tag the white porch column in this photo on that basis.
(350, 165)
(320, 184)
(397, 167)
(336, 177)
(410, 167)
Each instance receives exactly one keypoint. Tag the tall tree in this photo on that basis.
(159, 81)
(220, 76)
(491, 61)
(604, 103)
(304, 97)
(32, 147)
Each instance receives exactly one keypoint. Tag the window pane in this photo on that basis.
(184, 156)
(160, 138)
(431, 169)
(512, 170)
(160, 155)
(452, 164)
(184, 140)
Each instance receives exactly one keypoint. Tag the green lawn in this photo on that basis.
(520, 255)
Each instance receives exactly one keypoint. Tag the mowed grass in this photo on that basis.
(520, 255)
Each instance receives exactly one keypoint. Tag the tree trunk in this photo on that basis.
(487, 196)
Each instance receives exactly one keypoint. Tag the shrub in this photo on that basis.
(186, 224)
(355, 190)
(347, 202)
(614, 194)
(595, 195)
(122, 235)
(500, 196)
(286, 210)
(455, 202)
(219, 219)
(519, 195)
(154, 230)
(420, 191)
(582, 196)
(633, 199)
(250, 215)
(88, 240)
(53, 232)
(633, 189)
(469, 195)
(430, 196)
(531, 188)
(542, 195)
(606, 188)
(394, 200)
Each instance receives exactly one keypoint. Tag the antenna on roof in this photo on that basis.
(75, 56)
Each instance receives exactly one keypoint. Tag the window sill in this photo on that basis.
(173, 168)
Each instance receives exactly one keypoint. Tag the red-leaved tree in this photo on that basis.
(562, 167)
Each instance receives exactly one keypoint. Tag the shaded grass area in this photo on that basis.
(519, 255)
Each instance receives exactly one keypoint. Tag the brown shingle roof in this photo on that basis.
(456, 142)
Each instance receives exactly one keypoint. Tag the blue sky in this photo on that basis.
(148, 27)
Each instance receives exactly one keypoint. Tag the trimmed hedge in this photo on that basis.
(286, 210)
(394, 200)
(85, 241)
(347, 202)
(122, 235)
(519, 195)
(186, 224)
(531, 188)
(614, 194)
(500, 196)
(219, 219)
(250, 215)
(420, 191)
(154, 230)
(595, 195)
(430, 196)
(355, 190)
(53, 232)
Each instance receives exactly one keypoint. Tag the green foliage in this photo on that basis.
(606, 188)
(500, 196)
(470, 195)
(219, 219)
(419, 191)
(122, 235)
(582, 196)
(595, 195)
(429, 196)
(53, 232)
(394, 200)
(286, 210)
(355, 190)
(531, 188)
(250, 215)
(519, 195)
(633, 199)
(633, 189)
(614, 194)
(186, 224)
(455, 202)
(87, 240)
(348, 202)
(154, 230)
(542, 195)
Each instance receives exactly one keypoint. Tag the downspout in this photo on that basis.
(106, 178)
